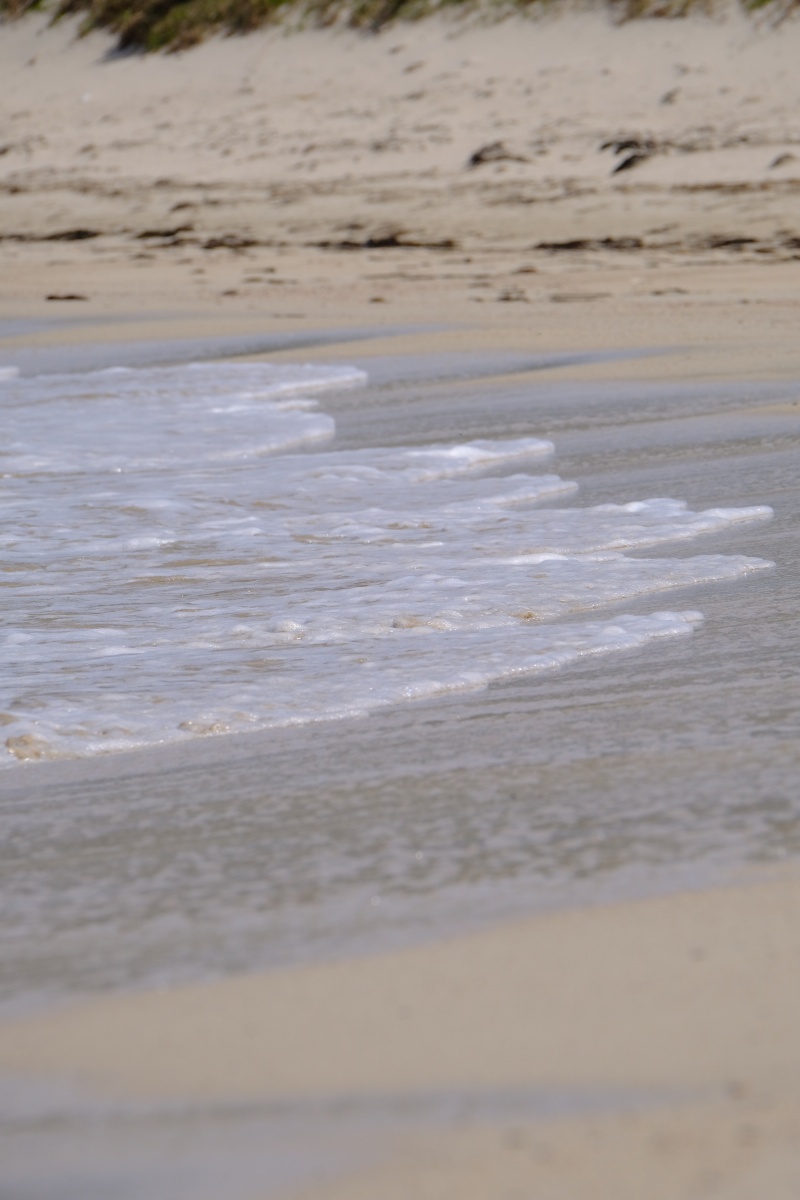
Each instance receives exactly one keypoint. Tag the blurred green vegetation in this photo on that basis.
(179, 24)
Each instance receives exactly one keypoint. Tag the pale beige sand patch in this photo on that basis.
(693, 990)
(224, 185)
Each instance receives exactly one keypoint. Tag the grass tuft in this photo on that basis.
(173, 25)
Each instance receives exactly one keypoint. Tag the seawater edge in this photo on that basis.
(535, 793)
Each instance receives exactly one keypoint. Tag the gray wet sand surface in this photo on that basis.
(61, 1142)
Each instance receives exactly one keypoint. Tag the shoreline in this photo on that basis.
(630, 446)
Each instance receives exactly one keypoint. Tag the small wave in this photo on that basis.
(172, 572)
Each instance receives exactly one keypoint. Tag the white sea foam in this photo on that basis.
(164, 418)
(169, 570)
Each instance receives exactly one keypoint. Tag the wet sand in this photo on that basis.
(313, 959)
(689, 1002)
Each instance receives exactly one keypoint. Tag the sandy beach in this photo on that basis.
(330, 181)
(469, 948)
(689, 1003)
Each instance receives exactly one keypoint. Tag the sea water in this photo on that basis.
(183, 553)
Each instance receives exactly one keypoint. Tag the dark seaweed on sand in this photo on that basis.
(142, 25)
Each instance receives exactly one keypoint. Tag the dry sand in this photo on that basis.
(266, 181)
(322, 180)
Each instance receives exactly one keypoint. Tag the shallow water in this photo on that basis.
(177, 563)
(621, 773)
